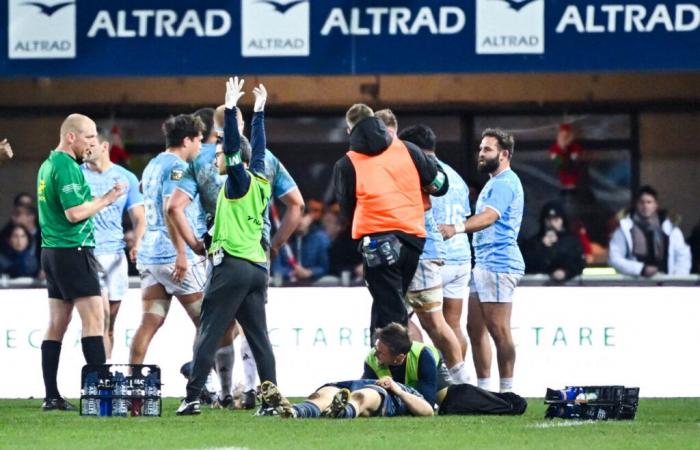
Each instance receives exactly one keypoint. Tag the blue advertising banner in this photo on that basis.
(212, 37)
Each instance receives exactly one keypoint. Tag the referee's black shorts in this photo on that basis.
(71, 272)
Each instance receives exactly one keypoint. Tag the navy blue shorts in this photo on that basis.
(391, 406)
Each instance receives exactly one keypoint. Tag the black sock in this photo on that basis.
(50, 354)
(94, 349)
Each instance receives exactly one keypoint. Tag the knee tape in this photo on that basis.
(194, 309)
(159, 307)
(428, 300)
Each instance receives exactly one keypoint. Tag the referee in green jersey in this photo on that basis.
(239, 277)
(66, 208)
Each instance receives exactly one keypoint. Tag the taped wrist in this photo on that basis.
(460, 227)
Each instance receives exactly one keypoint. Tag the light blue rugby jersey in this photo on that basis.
(160, 178)
(202, 182)
(452, 208)
(282, 183)
(434, 248)
(496, 247)
(109, 234)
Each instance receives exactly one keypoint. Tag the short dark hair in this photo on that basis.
(182, 126)
(104, 135)
(18, 198)
(505, 139)
(206, 115)
(246, 150)
(421, 135)
(395, 336)
(644, 190)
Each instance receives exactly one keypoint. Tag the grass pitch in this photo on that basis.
(660, 424)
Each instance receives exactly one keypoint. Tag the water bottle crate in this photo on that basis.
(592, 402)
(120, 390)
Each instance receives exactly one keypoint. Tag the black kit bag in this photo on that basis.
(467, 399)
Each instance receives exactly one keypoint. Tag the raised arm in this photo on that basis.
(238, 179)
(257, 136)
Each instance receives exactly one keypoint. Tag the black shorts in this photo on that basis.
(71, 272)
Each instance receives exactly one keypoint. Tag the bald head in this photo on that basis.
(219, 115)
(75, 123)
(78, 134)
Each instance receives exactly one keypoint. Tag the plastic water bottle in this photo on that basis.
(570, 393)
(90, 388)
(119, 393)
(151, 407)
(105, 391)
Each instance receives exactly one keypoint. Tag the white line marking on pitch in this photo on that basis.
(551, 424)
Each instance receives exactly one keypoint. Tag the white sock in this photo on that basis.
(459, 374)
(506, 384)
(223, 361)
(484, 383)
(212, 384)
(250, 370)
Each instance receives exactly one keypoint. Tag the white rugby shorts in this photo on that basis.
(114, 275)
(193, 282)
(493, 287)
(455, 280)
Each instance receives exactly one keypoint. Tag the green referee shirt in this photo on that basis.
(60, 186)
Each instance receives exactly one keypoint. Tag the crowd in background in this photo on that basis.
(644, 239)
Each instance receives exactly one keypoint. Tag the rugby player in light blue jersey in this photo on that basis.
(425, 293)
(101, 174)
(202, 180)
(452, 208)
(499, 263)
(168, 267)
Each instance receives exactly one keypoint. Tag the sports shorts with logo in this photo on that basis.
(493, 287)
(115, 275)
(193, 282)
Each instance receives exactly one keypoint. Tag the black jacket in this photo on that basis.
(370, 137)
(565, 254)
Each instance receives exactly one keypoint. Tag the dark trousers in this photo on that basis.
(236, 291)
(388, 286)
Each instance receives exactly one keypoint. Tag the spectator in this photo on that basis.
(26, 217)
(24, 199)
(648, 241)
(310, 250)
(342, 254)
(565, 152)
(17, 258)
(554, 250)
(694, 243)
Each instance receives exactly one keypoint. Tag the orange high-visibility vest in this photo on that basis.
(388, 193)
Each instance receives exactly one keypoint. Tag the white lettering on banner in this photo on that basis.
(630, 18)
(567, 335)
(393, 21)
(285, 33)
(160, 23)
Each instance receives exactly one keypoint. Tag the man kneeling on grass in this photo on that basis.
(351, 399)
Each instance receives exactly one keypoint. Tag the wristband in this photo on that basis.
(233, 159)
(460, 227)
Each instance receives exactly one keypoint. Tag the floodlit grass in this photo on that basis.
(660, 424)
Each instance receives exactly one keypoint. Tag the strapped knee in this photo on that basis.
(159, 307)
(194, 309)
(428, 300)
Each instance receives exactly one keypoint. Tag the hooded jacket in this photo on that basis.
(565, 254)
(623, 260)
(369, 137)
